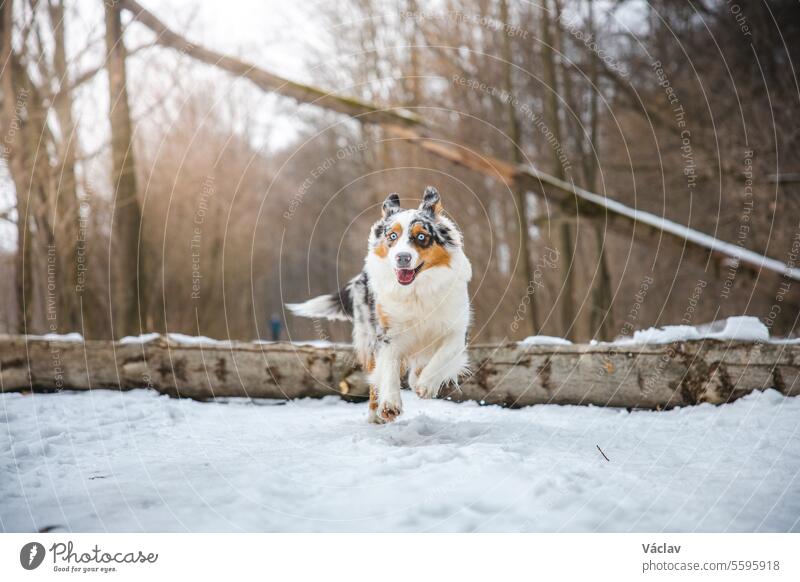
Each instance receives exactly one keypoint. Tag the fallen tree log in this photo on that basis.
(630, 376)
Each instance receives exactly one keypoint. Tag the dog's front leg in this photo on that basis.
(449, 361)
(386, 378)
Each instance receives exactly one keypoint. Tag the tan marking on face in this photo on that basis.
(396, 227)
(418, 228)
(382, 249)
(433, 256)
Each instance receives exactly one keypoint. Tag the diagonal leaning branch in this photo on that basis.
(403, 124)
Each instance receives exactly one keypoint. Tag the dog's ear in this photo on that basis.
(391, 204)
(431, 202)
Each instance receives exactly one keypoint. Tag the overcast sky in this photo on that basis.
(276, 33)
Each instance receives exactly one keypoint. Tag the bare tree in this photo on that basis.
(65, 209)
(515, 145)
(129, 280)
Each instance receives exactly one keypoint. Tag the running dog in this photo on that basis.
(409, 306)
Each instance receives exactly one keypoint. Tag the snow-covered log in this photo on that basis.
(634, 376)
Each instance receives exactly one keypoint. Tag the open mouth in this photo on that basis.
(407, 276)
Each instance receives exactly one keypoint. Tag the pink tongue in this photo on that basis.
(405, 275)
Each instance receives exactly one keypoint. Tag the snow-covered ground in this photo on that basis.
(134, 461)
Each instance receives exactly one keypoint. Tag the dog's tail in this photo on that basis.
(332, 306)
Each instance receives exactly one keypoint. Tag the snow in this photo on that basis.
(139, 461)
(545, 340)
(786, 341)
(180, 338)
(201, 340)
(314, 343)
(740, 328)
(207, 341)
(60, 337)
(139, 339)
(196, 340)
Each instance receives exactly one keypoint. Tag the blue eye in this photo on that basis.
(421, 237)
(392, 236)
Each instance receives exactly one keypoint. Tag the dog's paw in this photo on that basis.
(390, 412)
(390, 408)
(426, 391)
(374, 418)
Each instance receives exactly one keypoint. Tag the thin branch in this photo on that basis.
(89, 74)
(602, 453)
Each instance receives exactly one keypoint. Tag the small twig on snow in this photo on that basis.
(602, 453)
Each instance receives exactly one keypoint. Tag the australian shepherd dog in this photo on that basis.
(409, 306)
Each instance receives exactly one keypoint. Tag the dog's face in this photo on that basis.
(416, 241)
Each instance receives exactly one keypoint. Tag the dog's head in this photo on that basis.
(413, 242)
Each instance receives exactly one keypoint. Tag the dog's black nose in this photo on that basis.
(403, 260)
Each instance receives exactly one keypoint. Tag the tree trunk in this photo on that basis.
(592, 159)
(602, 316)
(551, 103)
(129, 285)
(15, 98)
(520, 195)
(565, 215)
(65, 211)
